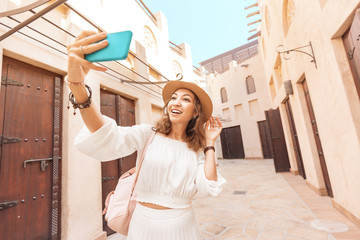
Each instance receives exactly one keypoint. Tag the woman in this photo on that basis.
(179, 162)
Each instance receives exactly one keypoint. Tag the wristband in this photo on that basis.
(208, 148)
(74, 83)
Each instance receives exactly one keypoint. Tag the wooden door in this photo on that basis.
(126, 117)
(351, 41)
(122, 110)
(317, 138)
(231, 143)
(30, 127)
(294, 138)
(280, 154)
(265, 139)
(109, 170)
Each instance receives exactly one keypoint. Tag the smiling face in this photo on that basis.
(181, 107)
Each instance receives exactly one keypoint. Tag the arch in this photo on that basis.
(176, 68)
(149, 39)
(223, 95)
(288, 14)
(250, 84)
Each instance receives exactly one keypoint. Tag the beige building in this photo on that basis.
(236, 83)
(309, 50)
(49, 190)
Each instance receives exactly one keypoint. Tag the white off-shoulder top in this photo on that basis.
(171, 173)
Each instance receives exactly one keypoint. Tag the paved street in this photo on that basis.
(258, 204)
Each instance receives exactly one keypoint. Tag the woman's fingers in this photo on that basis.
(207, 124)
(85, 34)
(212, 122)
(90, 39)
(90, 65)
(219, 123)
(87, 49)
(85, 41)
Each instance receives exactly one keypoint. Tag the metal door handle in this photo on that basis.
(5, 205)
(105, 179)
(43, 162)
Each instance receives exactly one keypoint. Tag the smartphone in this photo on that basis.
(118, 48)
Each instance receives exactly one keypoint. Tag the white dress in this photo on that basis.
(170, 176)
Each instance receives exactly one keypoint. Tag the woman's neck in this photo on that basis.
(177, 132)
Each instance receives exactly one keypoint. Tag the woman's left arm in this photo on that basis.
(213, 129)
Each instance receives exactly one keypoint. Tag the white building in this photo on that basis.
(236, 83)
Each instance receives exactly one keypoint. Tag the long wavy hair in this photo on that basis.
(195, 134)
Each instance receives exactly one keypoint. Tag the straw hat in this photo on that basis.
(205, 101)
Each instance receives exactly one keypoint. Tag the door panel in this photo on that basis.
(122, 110)
(109, 170)
(317, 139)
(265, 139)
(126, 111)
(27, 113)
(294, 138)
(352, 46)
(280, 155)
(231, 143)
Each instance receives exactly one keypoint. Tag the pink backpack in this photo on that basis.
(120, 204)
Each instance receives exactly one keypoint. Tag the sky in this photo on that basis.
(210, 27)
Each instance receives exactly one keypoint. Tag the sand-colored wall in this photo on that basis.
(334, 98)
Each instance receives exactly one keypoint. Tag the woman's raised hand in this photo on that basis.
(87, 42)
(213, 129)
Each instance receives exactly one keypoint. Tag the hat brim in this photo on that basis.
(205, 101)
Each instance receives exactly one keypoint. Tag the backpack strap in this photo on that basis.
(142, 157)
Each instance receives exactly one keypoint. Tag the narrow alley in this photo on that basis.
(258, 204)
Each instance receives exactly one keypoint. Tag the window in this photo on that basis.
(272, 88)
(250, 84)
(226, 113)
(223, 95)
(239, 111)
(278, 73)
(254, 108)
(153, 75)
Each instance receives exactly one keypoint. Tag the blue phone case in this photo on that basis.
(118, 48)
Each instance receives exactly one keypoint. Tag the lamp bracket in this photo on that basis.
(286, 53)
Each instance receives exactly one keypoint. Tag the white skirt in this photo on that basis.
(163, 224)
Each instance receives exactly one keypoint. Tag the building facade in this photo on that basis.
(49, 190)
(236, 83)
(312, 74)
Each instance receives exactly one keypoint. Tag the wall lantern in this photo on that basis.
(286, 53)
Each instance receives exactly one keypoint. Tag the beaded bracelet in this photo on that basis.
(74, 83)
(208, 148)
(83, 105)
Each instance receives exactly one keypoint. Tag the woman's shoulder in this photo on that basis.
(144, 130)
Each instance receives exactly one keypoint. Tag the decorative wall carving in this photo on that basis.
(150, 40)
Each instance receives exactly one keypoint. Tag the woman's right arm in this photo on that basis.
(86, 43)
